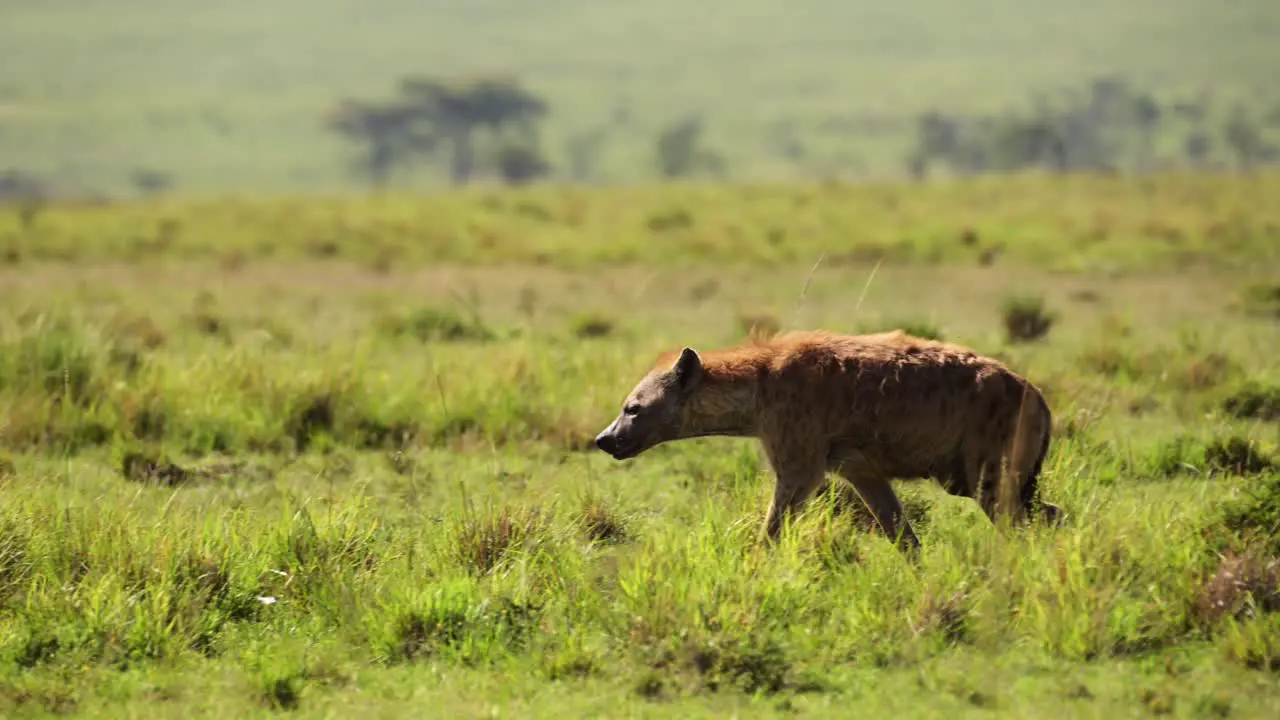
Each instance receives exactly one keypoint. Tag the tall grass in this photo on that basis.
(376, 500)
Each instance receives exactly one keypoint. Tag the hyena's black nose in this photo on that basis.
(606, 442)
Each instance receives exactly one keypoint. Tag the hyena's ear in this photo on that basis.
(688, 369)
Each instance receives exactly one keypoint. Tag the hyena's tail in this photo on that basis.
(1031, 482)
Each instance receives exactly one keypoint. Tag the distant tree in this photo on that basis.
(429, 113)
(583, 151)
(1147, 115)
(520, 164)
(680, 153)
(937, 135)
(19, 186)
(1085, 131)
(457, 110)
(391, 134)
(1197, 147)
(26, 191)
(151, 182)
(1244, 138)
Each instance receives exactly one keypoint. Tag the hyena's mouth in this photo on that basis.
(617, 449)
(625, 452)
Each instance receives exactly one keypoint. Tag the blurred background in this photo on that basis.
(120, 98)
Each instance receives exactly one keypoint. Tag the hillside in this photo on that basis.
(229, 96)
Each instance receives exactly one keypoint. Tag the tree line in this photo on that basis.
(491, 127)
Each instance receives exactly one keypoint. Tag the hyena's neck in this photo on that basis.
(721, 406)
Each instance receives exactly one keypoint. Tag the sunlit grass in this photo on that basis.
(312, 486)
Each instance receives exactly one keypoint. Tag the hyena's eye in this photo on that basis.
(632, 409)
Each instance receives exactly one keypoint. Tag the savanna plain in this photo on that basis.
(332, 457)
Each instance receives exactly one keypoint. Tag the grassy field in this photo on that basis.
(229, 96)
(331, 457)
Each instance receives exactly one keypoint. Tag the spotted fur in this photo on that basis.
(868, 408)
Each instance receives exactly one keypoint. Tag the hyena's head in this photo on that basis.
(653, 411)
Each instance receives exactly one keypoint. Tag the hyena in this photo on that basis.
(868, 408)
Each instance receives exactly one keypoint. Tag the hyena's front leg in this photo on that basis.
(796, 477)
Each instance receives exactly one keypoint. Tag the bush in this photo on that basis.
(485, 537)
(589, 325)
(1026, 318)
(1262, 299)
(431, 324)
(1254, 401)
(1254, 518)
(763, 326)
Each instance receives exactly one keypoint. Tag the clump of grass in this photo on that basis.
(916, 327)
(1026, 318)
(599, 521)
(1208, 371)
(571, 663)
(279, 691)
(1113, 360)
(152, 466)
(1254, 401)
(1232, 455)
(484, 538)
(1254, 518)
(453, 619)
(758, 325)
(1182, 454)
(591, 325)
(1241, 587)
(312, 419)
(54, 356)
(732, 663)
(1254, 643)
(1261, 299)
(1237, 455)
(206, 318)
(704, 290)
(944, 614)
(434, 324)
(36, 648)
(137, 331)
(8, 468)
(670, 220)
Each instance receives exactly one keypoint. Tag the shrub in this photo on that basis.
(1254, 401)
(600, 522)
(1238, 456)
(1241, 586)
(1261, 299)
(1026, 318)
(1254, 518)
(761, 326)
(431, 324)
(484, 538)
(590, 325)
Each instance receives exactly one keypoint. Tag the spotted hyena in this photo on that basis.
(869, 408)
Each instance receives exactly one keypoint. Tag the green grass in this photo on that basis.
(229, 96)
(1071, 223)
(323, 485)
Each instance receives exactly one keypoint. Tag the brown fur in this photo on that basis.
(869, 408)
